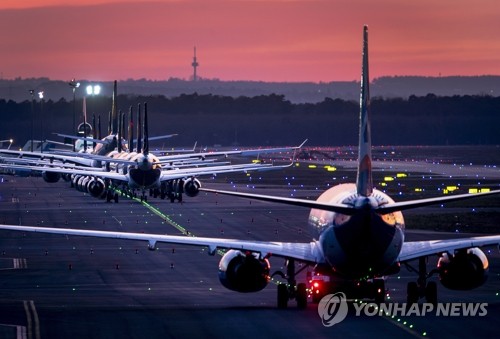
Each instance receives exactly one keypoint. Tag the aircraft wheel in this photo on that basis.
(431, 293)
(301, 296)
(282, 296)
(116, 197)
(412, 293)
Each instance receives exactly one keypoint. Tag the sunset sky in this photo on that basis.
(274, 40)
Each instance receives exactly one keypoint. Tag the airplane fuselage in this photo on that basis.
(362, 245)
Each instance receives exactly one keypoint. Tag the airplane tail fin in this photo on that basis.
(131, 129)
(146, 132)
(119, 130)
(364, 180)
(99, 135)
(114, 114)
(139, 129)
(94, 144)
(84, 131)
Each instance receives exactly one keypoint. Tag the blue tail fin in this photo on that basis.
(364, 181)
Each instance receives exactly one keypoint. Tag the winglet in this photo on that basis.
(364, 181)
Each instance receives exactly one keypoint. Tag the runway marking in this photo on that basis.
(20, 330)
(19, 263)
(32, 319)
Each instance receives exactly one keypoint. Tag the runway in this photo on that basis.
(53, 286)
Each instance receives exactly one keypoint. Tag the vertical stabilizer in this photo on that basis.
(146, 132)
(139, 129)
(131, 130)
(84, 130)
(109, 123)
(99, 134)
(364, 181)
(114, 113)
(119, 134)
(94, 131)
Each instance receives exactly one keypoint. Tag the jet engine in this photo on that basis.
(465, 270)
(74, 180)
(242, 272)
(192, 187)
(96, 187)
(51, 176)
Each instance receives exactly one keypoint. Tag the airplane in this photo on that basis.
(143, 171)
(139, 169)
(359, 239)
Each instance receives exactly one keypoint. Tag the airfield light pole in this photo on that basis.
(74, 85)
(32, 92)
(40, 95)
(92, 90)
(9, 140)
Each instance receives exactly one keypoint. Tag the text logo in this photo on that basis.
(332, 309)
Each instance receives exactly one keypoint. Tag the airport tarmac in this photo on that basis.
(53, 286)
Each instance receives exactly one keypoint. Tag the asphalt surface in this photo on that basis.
(53, 286)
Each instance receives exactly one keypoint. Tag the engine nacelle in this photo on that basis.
(465, 270)
(243, 272)
(74, 179)
(79, 184)
(192, 187)
(51, 176)
(84, 184)
(96, 187)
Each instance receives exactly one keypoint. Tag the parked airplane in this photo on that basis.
(359, 239)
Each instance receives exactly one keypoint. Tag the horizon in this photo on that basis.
(270, 41)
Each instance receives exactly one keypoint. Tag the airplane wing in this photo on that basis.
(349, 209)
(90, 172)
(214, 170)
(248, 152)
(169, 174)
(416, 249)
(38, 162)
(76, 158)
(309, 252)
(99, 141)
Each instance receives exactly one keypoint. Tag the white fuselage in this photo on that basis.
(362, 245)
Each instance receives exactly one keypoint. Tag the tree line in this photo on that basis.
(272, 120)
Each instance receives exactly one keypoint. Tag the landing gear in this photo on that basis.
(421, 288)
(301, 296)
(144, 197)
(291, 290)
(282, 296)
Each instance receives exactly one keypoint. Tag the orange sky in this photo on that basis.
(273, 40)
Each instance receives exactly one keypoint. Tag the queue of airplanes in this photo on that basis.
(358, 240)
(113, 163)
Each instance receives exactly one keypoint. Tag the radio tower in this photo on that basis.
(194, 64)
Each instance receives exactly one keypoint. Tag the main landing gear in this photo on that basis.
(421, 288)
(291, 290)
